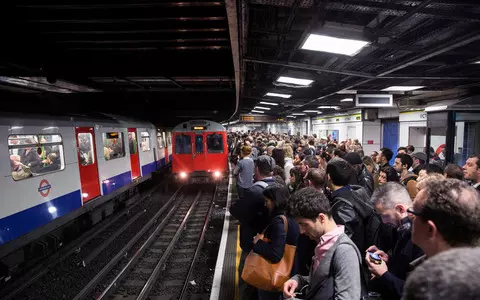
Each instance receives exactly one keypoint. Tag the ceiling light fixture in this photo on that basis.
(291, 117)
(311, 111)
(329, 107)
(330, 44)
(257, 111)
(292, 80)
(286, 96)
(399, 88)
(268, 103)
(436, 108)
(347, 100)
(262, 107)
(298, 114)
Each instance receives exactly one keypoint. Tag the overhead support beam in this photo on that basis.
(440, 49)
(149, 48)
(118, 5)
(187, 40)
(90, 32)
(232, 16)
(127, 20)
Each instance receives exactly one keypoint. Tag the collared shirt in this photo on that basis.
(326, 241)
(476, 185)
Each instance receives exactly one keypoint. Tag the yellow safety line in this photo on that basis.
(239, 253)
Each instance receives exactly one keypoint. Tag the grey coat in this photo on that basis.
(346, 269)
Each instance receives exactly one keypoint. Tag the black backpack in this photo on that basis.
(371, 219)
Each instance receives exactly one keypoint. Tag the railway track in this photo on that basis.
(48, 280)
(161, 261)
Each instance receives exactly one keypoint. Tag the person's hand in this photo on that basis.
(384, 256)
(259, 236)
(376, 270)
(289, 288)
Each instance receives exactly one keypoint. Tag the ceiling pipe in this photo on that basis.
(231, 7)
(456, 43)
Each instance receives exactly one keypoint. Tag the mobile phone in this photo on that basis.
(374, 258)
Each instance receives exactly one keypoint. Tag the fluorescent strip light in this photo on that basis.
(318, 113)
(329, 107)
(286, 96)
(330, 44)
(398, 88)
(16, 127)
(311, 111)
(436, 108)
(257, 111)
(298, 114)
(299, 81)
(291, 117)
(477, 62)
(347, 100)
(261, 107)
(268, 103)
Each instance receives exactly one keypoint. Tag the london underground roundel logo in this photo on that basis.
(44, 188)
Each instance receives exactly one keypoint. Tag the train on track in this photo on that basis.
(61, 167)
(200, 151)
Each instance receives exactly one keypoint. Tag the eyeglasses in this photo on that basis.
(415, 213)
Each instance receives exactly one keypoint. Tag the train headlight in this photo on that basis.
(183, 175)
(217, 174)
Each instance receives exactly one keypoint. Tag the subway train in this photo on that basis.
(63, 166)
(200, 151)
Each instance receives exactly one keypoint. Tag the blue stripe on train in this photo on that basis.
(161, 163)
(148, 168)
(116, 182)
(22, 222)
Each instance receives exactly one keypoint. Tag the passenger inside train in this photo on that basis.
(392, 221)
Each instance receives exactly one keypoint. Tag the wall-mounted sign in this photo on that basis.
(260, 118)
(337, 119)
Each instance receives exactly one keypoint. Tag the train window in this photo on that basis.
(160, 140)
(85, 149)
(198, 144)
(214, 143)
(145, 141)
(113, 146)
(132, 142)
(183, 144)
(35, 155)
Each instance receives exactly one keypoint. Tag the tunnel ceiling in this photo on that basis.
(165, 62)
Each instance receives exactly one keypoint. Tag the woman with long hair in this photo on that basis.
(271, 244)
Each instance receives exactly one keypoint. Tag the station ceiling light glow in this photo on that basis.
(262, 107)
(268, 103)
(293, 80)
(347, 100)
(291, 117)
(399, 88)
(311, 111)
(329, 107)
(257, 111)
(286, 96)
(477, 62)
(325, 43)
(298, 114)
(436, 108)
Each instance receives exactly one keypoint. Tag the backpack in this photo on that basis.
(371, 219)
(240, 209)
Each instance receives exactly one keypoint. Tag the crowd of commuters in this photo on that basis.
(362, 229)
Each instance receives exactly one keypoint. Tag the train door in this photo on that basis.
(87, 162)
(133, 145)
(165, 143)
(199, 158)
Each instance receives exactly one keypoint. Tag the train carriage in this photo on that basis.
(55, 169)
(199, 151)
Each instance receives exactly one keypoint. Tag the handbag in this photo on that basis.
(265, 275)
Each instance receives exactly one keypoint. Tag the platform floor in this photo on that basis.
(225, 281)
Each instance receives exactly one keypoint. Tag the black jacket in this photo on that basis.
(390, 285)
(344, 214)
(252, 214)
(275, 232)
(365, 179)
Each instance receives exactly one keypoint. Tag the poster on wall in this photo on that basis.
(322, 133)
(332, 135)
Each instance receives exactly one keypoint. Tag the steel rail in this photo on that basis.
(92, 283)
(199, 247)
(156, 272)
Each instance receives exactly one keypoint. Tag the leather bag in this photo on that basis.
(265, 275)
